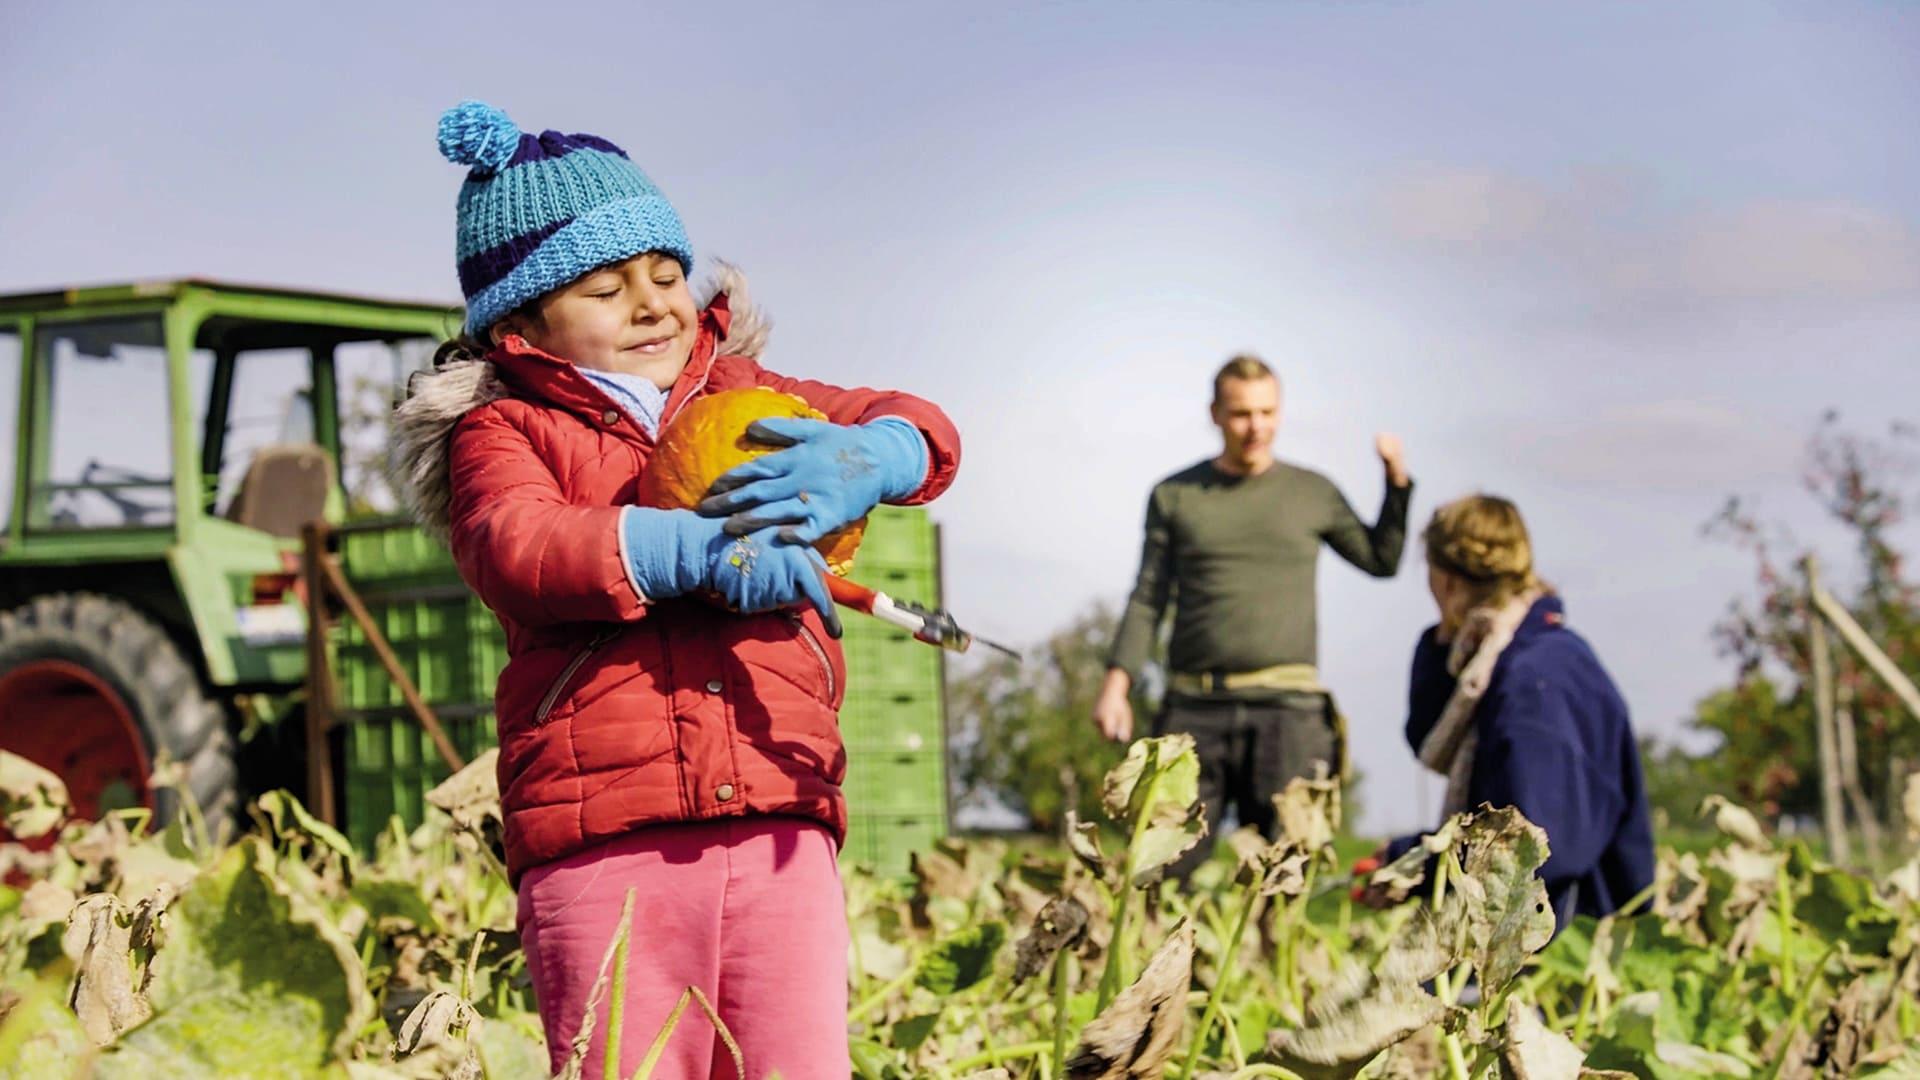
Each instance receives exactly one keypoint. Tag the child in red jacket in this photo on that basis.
(650, 739)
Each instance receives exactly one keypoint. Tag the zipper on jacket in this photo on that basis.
(820, 654)
(567, 673)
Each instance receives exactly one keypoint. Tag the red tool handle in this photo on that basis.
(850, 594)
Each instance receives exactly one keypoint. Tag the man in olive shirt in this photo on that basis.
(1234, 543)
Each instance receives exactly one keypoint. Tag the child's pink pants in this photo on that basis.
(750, 910)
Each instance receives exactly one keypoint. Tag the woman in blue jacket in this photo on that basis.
(1514, 709)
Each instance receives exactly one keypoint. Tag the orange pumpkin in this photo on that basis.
(708, 437)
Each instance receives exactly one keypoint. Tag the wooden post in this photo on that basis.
(1833, 815)
(1863, 646)
(319, 711)
(1863, 810)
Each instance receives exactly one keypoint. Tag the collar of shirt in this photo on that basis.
(636, 395)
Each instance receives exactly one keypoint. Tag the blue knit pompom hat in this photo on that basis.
(539, 211)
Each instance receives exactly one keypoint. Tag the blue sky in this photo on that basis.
(1612, 260)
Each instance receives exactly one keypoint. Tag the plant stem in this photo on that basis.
(617, 1001)
(1220, 979)
(1783, 893)
(1800, 1002)
(1231, 1033)
(1004, 1053)
(1119, 959)
(652, 1060)
(1062, 985)
(1587, 995)
(879, 997)
(1266, 1070)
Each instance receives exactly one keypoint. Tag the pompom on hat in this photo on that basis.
(536, 212)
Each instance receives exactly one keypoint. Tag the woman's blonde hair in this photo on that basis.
(1482, 540)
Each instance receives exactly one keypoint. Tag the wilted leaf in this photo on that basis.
(1903, 1063)
(1843, 1037)
(1736, 823)
(962, 959)
(443, 1021)
(1060, 925)
(290, 819)
(33, 801)
(1508, 916)
(1398, 879)
(1136, 1034)
(104, 996)
(252, 981)
(1307, 812)
(936, 873)
(1083, 839)
(1268, 869)
(472, 795)
(1157, 785)
(1341, 1042)
(1531, 1052)
(1368, 1008)
(43, 904)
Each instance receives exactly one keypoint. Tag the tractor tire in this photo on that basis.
(96, 691)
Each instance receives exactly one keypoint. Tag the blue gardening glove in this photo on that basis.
(674, 552)
(829, 476)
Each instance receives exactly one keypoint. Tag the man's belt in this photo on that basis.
(1296, 678)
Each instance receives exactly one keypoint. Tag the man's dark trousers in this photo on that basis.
(1249, 747)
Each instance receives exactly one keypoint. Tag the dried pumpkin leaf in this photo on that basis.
(1060, 925)
(1736, 823)
(1529, 1051)
(33, 801)
(1508, 917)
(1137, 1032)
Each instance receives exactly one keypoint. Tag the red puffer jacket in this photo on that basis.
(613, 713)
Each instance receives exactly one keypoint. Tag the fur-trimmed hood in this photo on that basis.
(436, 400)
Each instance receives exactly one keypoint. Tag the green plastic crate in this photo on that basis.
(451, 648)
(899, 536)
(909, 782)
(893, 838)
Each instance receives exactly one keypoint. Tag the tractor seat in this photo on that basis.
(285, 487)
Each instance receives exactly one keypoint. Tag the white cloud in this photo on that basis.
(1614, 242)
(1674, 446)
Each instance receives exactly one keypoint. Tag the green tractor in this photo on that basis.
(182, 448)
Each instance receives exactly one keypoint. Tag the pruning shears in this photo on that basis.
(935, 626)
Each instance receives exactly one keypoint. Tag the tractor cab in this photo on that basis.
(171, 440)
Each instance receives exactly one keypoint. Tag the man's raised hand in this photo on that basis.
(1394, 456)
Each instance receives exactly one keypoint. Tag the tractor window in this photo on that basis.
(9, 413)
(104, 458)
(372, 378)
(271, 404)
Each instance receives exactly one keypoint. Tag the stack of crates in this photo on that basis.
(893, 721)
(894, 718)
(448, 643)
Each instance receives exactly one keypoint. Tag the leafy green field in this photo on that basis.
(283, 953)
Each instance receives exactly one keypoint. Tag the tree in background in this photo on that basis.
(1022, 734)
(1763, 724)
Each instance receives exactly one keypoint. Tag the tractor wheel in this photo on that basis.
(96, 691)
